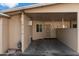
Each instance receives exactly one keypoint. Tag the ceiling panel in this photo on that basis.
(52, 16)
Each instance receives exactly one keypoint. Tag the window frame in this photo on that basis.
(39, 27)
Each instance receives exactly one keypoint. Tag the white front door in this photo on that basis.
(47, 30)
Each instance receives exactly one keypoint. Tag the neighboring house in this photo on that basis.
(55, 20)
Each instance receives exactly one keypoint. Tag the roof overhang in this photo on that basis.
(56, 16)
(27, 7)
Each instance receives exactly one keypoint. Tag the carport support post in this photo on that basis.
(22, 31)
(1, 44)
(25, 31)
(78, 32)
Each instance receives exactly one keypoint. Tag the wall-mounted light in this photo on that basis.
(30, 23)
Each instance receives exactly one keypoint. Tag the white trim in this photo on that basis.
(27, 7)
(2, 14)
(22, 31)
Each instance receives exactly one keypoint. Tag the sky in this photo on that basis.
(4, 6)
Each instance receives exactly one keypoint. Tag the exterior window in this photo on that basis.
(74, 25)
(38, 27)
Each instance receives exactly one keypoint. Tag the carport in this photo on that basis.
(60, 26)
(62, 20)
(39, 22)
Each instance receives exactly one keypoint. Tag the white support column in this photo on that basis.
(22, 30)
(63, 26)
(78, 32)
(1, 39)
(25, 31)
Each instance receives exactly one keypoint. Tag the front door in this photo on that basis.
(47, 30)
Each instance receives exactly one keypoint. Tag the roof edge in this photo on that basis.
(26, 7)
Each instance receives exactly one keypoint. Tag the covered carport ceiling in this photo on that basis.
(53, 16)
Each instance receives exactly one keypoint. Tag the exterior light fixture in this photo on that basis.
(30, 23)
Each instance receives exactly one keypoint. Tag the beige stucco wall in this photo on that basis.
(14, 31)
(68, 37)
(37, 35)
(78, 30)
(3, 34)
(11, 32)
(52, 31)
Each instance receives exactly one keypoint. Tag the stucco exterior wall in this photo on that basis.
(37, 35)
(78, 30)
(52, 29)
(3, 35)
(68, 37)
(14, 31)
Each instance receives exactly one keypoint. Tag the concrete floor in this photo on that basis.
(46, 47)
(49, 47)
